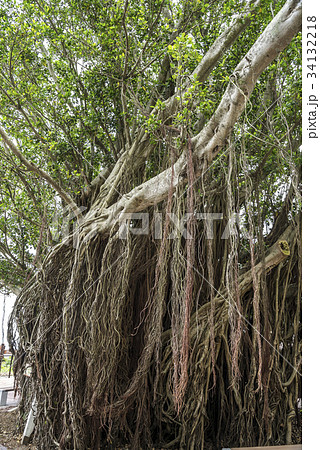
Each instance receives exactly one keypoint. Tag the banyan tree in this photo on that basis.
(150, 220)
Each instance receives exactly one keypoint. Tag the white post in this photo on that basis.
(30, 424)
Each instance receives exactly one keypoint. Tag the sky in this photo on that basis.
(7, 303)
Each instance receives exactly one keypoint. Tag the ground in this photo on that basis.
(10, 437)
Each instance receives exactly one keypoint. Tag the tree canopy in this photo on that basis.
(175, 109)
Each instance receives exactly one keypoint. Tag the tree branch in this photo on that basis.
(41, 173)
(210, 140)
(272, 41)
(14, 289)
(225, 41)
(131, 156)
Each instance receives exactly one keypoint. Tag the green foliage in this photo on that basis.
(5, 366)
(77, 77)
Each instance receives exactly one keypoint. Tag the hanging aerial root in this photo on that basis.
(101, 366)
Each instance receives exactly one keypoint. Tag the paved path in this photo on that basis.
(6, 382)
(12, 401)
